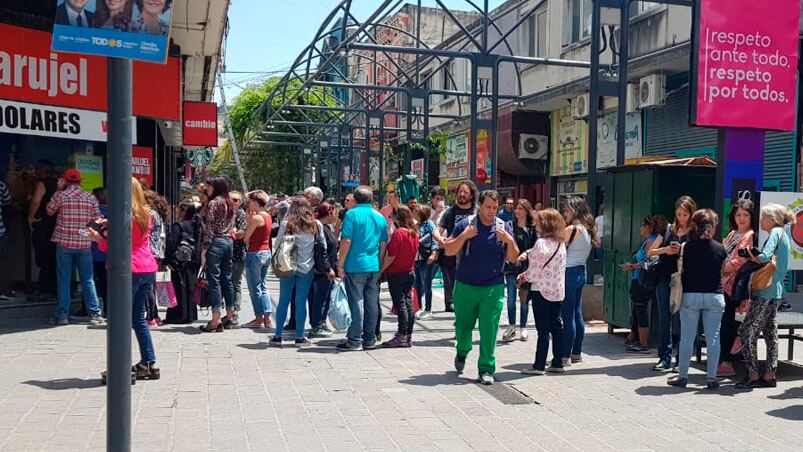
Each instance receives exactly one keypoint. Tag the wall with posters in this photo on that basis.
(606, 138)
(484, 161)
(456, 159)
(569, 137)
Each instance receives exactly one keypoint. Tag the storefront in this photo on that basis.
(52, 107)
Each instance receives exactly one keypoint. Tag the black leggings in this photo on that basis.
(640, 309)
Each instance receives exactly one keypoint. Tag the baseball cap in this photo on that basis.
(72, 175)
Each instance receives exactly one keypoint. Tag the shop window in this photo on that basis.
(537, 34)
(576, 21)
(447, 78)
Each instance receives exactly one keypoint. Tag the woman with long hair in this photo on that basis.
(159, 211)
(581, 237)
(667, 245)
(546, 275)
(740, 237)
(323, 282)
(258, 257)
(525, 235)
(301, 224)
(184, 273)
(425, 260)
(216, 254)
(761, 315)
(143, 276)
(115, 14)
(701, 260)
(397, 266)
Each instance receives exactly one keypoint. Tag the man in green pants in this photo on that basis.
(482, 243)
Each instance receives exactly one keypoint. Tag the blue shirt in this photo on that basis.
(641, 255)
(366, 228)
(506, 216)
(5, 199)
(776, 245)
(484, 265)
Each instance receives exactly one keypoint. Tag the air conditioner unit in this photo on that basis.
(580, 106)
(533, 147)
(652, 91)
(632, 98)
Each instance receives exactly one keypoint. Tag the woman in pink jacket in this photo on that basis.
(143, 277)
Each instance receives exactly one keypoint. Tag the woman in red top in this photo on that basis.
(143, 277)
(258, 257)
(398, 269)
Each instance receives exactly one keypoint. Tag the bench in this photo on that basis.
(787, 321)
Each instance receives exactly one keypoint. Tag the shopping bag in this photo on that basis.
(165, 295)
(339, 312)
(201, 294)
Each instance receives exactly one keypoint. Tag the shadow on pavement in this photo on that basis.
(449, 378)
(65, 383)
(791, 413)
(258, 346)
(789, 394)
(188, 330)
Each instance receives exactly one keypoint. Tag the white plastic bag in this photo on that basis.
(339, 312)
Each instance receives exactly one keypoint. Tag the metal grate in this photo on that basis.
(509, 394)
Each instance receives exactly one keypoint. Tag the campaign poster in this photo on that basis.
(91, 168)
(131, 29)
(142, 164)
(484, 161)
(793, 202)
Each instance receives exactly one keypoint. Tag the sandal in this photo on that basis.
(208, 328)
(144, 371)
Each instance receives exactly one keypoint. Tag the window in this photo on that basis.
(637, 8)
(577, 21)
(537, 34)
(448, 78)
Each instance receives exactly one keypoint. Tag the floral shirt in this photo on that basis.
(240, 224)
(218, 223)
(545, 275)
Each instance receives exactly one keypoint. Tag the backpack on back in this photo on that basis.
(285, 259)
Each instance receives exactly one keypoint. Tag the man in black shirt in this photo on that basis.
(465, 207)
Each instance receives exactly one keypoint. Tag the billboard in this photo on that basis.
(199, 124)
(793, 202)
(606, 138)
(484, 161)
(569, 144)
(745, 64)
(131, 29)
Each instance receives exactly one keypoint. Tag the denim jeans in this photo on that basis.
(664, 320)
(256, 275)
(423, 283)
(512, 295)
(321, 291)
(141, 286)
(237, 271)
(548, 322)
(572, 311)
(362, 290)
(301, 282)
(449, 274)
(218, 273)
(709, 306)
(65, 259)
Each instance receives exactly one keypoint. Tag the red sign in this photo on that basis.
(142, 164)
(747, 58)
(31, 72)
(200, 123)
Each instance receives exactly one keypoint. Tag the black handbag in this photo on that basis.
(320, 256)
(650, 272)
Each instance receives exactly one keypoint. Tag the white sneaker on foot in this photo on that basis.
(523, 335)
(510, 334)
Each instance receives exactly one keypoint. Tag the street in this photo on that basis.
(230, 391)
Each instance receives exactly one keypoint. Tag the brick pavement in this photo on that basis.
(231, 392)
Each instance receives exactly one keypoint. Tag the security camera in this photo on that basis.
(167, 124)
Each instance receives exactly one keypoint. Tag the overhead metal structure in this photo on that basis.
(355, 112)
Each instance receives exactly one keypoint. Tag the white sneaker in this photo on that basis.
(425, 315)
(523, 335)
(510, 334)
(566, 362)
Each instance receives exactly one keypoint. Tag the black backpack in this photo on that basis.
(185, 250)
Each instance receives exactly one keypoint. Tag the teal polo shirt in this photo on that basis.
(366, 228)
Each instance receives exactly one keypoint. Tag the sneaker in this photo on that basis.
(373, 346)
(6, 297)
(555, 370)
(638, 348)
(566, 362)
(662, 367)
(712, 385)
(59, 321)
(725, 369)
(302, 342)
(459, 363)
(486, 379)
(784, 306)
(424, 315)
(533, 371)
(576, 359)
(325, 327)
(97, 320)
(319, 333)
(510, 334)
(678, 382)
(275, 341)
(348, 347)
(235, 319)
(398, 341)
(523, 335)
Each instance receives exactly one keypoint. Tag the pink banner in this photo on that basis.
(747, 63)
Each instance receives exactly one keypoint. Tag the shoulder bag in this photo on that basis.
(676, 285)
(762, 278)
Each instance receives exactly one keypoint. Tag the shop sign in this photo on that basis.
(456, 157)
(136, 33)
(200, 124)
(746, 63)
(417, 168)
(200, 156)
(484, 161)
(31, 72)
(142, 163)
(793, 202)
(569, 144)
(607, 139)
(46, 121)
(91, 168)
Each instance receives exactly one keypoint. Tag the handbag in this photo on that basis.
(200, 296)
(762, 278)
(676, 285)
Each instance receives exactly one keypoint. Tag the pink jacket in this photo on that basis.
(142, 260)
(547, 278)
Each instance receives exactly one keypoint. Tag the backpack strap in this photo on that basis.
(557, 248)
(571, 238)
(472, 221)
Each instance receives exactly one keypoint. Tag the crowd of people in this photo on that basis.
(489, 259)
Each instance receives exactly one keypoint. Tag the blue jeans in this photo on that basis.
(664, 321)
(218, 273)
(512, 294)
(65, 259)
(142, 285)
(709, 306)
(362, 290)
(321, 291)
(256, 275)
(571, 309)
(423, 283)
(301, 282)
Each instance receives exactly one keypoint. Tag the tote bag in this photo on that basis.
(676, 285)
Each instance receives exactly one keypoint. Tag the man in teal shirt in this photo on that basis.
(362, 243)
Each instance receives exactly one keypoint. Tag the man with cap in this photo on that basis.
(74, 209)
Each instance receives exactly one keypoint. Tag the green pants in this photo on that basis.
(478, 302)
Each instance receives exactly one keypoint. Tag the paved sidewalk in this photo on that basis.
(231, 392)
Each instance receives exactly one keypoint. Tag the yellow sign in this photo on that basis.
(91, 169)
(569, 144)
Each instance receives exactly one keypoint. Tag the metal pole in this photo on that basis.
(118, 333)
(231, 133)
(594, 97)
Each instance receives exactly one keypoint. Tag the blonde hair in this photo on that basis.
(549, 223)
(140, 211)
(779, 214)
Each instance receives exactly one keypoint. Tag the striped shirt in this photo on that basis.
(5, 199)
(75, 209)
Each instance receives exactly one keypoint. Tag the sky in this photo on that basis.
(268, 35)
